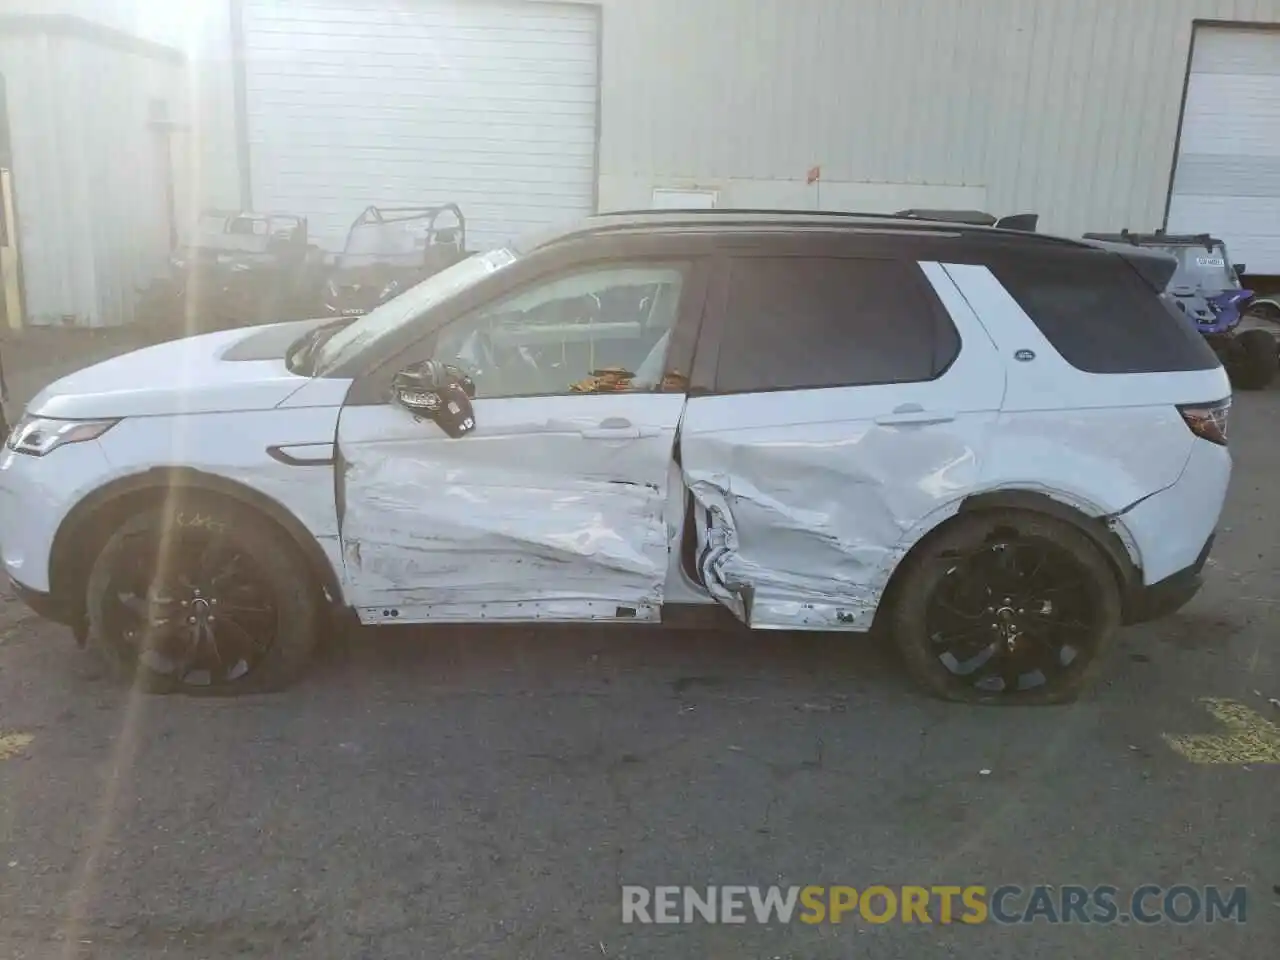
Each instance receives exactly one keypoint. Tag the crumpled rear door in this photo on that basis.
(806, 499)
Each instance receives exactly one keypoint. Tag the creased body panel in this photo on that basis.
(806, 498)
(526, 518)
(433, 532)
(798, 534)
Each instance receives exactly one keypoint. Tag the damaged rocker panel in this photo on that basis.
(551, 611)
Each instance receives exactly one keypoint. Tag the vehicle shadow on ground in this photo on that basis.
(586, 658)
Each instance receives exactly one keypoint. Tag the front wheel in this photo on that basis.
(1005, 607)
(1254, 360)
(200, 595)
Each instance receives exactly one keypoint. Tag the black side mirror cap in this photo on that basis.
(438, 392)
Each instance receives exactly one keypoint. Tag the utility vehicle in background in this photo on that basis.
(1206, 287)
(239, 268)
(390, 249)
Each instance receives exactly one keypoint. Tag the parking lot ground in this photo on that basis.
(485, 793)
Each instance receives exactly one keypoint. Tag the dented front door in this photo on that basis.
(552, 509)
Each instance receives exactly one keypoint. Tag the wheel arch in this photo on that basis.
(1094, 526)
(90, 522)
(1267, 303)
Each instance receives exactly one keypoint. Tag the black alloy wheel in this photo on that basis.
(1013, 615)
(207, 598)
(1005, 607)
(194, 609)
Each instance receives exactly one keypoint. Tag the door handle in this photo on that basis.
(912, 414)
(617, 428)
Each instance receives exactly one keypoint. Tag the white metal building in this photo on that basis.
(531, 111)
(1227, 178)
(1097, 114)
(95, 192)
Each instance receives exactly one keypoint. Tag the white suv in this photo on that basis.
(1000, 446)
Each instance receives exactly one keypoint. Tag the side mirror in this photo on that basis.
(438, 392)
(1240, 269)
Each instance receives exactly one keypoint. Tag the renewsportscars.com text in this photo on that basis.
(1008, 904)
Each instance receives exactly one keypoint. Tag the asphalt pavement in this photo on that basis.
(487, 793)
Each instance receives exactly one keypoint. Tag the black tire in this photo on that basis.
(1255, 360)
(258, 606)
(958, 577)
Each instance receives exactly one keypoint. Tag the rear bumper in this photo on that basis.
(1171, 594)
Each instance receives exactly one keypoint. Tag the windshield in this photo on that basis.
(395, 314)
(1204, 269)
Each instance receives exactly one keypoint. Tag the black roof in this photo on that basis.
(730, 220)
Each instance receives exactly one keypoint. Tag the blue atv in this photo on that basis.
(1206, 287)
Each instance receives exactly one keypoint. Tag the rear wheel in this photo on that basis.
(1005, 607)
(1254, 360)
(202, 596)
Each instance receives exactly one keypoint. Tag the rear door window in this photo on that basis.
(1102, 318)
(796, 323)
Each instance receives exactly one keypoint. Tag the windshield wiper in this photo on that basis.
(302, 355)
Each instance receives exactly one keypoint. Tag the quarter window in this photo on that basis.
(798, 323)
(1102, 318)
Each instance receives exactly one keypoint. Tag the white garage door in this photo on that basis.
(490, 104)
(1227, 180)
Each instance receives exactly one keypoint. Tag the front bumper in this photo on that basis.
(1163, 599)
(36, 495)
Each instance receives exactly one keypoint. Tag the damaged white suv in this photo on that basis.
(997, 445)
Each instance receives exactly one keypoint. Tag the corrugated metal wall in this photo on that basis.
(1065, 107)
(88, 174)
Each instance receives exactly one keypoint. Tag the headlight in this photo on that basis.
(240, 267)
(389, 291)
(38, 436)
(332, 287)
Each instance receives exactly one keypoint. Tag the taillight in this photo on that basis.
(1207, 420)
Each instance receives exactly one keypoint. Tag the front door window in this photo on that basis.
(601, 330)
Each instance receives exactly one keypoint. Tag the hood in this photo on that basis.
(223, 372)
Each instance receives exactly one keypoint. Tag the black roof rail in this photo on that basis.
(747, 211)
(1021, 222)
(620, 221)
(975, 217)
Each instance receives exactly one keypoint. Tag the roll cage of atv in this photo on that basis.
(433, 233)
(389, 249)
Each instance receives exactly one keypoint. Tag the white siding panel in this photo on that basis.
(1065, 107)
(488, 104)
(88, 175)
(1228, 174)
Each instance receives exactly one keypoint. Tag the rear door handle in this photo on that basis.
(617, 428)
(912, 414)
